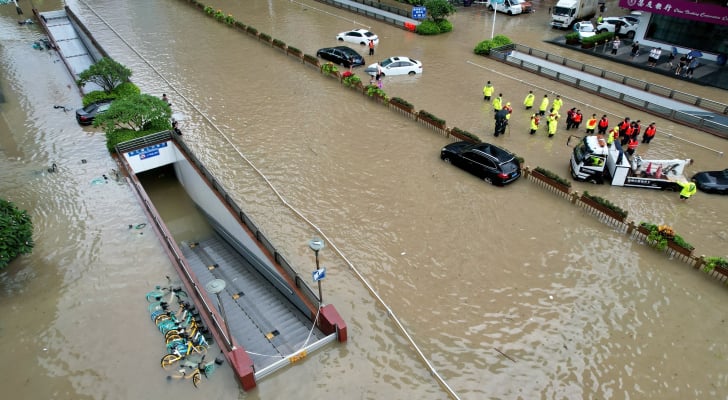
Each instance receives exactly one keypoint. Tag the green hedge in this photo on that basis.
(549, 174)
(16, 232)
(467, 134)
(483, 48)
(431, 117)
(445, 26)
(606, 203)
(428, 28)
(122, 90)
(402, 101)
(598, 38)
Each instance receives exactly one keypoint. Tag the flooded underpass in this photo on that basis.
(510, 292)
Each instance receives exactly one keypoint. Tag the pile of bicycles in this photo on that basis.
(186, 339)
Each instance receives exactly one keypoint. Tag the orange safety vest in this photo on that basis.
(603, 123)
(633, 143)
(577, 118)
(591, 123)
(371, 44)
(650, 131)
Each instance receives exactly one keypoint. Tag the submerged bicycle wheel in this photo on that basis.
(169, 360)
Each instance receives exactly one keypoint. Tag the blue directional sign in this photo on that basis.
(319, 274)
(419, 12)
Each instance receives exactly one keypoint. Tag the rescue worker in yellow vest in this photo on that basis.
(534, 123)
(557, 103)
(498, 103)
(688, 189)
(544, 105)
(552, 122)
(591, 124)
(528, 102)
(612, 135)
(488, 91)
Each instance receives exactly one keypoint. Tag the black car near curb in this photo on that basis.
(86, 115)
(486, 161)
(712, 181)
(341, 55)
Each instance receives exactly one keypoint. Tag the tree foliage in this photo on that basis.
(137, 112)
(106, 73)
(438, 10)
(16, 232)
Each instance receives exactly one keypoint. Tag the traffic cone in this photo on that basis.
(658, 173)
(648, 171)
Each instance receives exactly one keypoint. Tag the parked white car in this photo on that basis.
(609, 24)
(585, 28)
(358, 36)
(396, 66)
(510, 7)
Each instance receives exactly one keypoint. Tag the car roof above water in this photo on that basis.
(495, 151)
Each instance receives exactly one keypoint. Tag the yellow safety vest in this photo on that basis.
(557, 104)
(488, 90)
(591, 123)
(688, 189)
(529, 100)
(544, 104)
(497, 104)
(534, 125)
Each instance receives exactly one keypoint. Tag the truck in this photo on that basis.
(568, 12)
(592, 160)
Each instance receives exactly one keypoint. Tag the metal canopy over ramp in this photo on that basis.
(260, 318)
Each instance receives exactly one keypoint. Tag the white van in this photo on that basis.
(510, 7)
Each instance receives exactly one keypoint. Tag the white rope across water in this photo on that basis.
(366, 283)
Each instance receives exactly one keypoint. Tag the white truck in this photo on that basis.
(567, 12)
(594, 161)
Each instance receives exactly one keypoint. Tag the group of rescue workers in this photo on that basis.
(626, 133)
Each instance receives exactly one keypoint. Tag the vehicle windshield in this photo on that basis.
(563, 11)
(586, 28)
(386, 62)
(581, 152)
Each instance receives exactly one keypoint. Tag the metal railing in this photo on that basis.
(705, 124)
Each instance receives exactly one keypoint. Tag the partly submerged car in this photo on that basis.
(86, 115)
(396, 66)
(358, 36)
(491, 163)
(712, 181)
(341, 55)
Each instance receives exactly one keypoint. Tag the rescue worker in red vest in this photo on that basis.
(649, 133)
(534, 123)
(577, 118)
(591, 124)
(603, 124)
(688, 189)
(632, 145)
(623, 126)
(627, 134)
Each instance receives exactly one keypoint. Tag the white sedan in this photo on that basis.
(585, 28)
(358, 36)
(609, 24)
(396, 66)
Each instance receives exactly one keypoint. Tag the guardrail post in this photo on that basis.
(699, 262)
(630, 227)
(574, 197)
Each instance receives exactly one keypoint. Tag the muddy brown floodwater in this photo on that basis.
(470, 269)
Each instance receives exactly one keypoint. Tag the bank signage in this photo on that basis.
(703, 12)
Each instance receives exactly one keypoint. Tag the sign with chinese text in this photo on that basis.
(703, 12)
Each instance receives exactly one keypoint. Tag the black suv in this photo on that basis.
(486, 161)
(341, 55)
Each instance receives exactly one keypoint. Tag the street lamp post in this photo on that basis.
(317, 244)
(216, 286)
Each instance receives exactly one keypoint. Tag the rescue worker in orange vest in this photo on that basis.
(576, 119)
(626, 133)
(603, 124)
(632, 145)
(623, 128)
(591, 124)
(649, 133)
(534, 123)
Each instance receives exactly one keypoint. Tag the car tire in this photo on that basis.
(362, 43)
(602, 31)
(488, 180)
(509, 12)
(340, 39)
(447, 159)
(593, 181)
(630, 35)
(412, 73)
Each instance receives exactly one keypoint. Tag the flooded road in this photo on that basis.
(471, 270)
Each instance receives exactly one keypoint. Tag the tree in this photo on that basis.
(138, 112)
(16, 232)
(439, 9)
(106, 73)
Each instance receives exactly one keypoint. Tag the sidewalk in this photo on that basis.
(707, 74)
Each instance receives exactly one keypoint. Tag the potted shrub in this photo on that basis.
(572, 38)
(604, 205)
(552, 179)
(431, 119)
(401, 104)
(464, 135)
